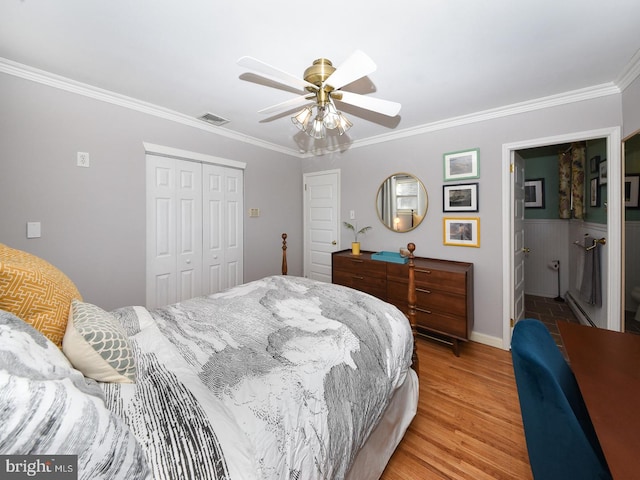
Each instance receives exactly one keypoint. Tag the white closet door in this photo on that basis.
(189, 229)
(161, 228)
(223, 228)
(213, 278)
(233, 226)
(174, 230)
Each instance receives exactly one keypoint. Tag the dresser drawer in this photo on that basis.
(427, 298)
(375, 285)
(440, 279)
(432, 299)
(362, 266)
(442, 323)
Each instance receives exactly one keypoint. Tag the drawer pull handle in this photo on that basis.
(357, 261)
(428, 272)
(356, 277)
(422, 290)
(423, 310)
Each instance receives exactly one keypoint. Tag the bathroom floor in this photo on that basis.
(548, 311)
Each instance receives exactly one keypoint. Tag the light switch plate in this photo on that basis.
(33, 230)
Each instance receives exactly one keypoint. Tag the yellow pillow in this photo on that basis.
(36, 291)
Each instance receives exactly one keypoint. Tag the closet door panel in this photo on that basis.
(161, 224)
(189, 234)
(233, 225)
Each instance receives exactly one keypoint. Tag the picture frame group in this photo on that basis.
(462, 165)
(631, 186)
(462, 197)
(461, 231)
(534, 193)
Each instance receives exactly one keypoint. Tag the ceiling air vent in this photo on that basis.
(214, 119)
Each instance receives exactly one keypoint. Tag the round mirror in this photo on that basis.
(401, 202)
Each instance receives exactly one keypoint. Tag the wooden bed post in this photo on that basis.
(412, 305)
(284, 254)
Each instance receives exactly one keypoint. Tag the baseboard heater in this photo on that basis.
(577, 310)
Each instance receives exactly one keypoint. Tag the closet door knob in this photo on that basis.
(526, 249)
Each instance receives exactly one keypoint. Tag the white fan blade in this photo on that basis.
(288, 105)
(275, 73)
(358, 65)
(384, 107)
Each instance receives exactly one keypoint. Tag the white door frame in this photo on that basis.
(614, 221)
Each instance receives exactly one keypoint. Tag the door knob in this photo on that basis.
(334, 243)
(526, 249)
(188, 262)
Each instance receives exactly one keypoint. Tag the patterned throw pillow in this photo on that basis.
(96, 344)
(48, 408)
(36, 291)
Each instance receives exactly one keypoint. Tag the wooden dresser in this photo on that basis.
(444, 288)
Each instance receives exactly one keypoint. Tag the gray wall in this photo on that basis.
(631, 108)
(363, 169)
(93, 220)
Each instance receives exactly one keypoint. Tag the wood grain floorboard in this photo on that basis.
(468, 425)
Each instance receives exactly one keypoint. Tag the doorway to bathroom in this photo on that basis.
(554, 238)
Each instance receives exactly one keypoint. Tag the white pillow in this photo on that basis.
(48, 408)
(96, 344)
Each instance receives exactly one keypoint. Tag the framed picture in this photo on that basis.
(462, 165)
(462, 232)
(594, 199)
(593, 164)
(631, 191)
(460, 198)
(534, 193)
(602, 168)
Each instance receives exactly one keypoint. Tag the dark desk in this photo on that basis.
(607, 367)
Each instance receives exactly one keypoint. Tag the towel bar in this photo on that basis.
(601, 241)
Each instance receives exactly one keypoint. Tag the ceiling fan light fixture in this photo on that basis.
(343, 124)
(331, 117)
(302, 118)
(317, 130)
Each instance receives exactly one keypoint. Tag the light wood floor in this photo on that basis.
(468, 424)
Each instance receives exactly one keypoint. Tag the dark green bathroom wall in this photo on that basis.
(595, 148)
(632, 167)
(545, 167)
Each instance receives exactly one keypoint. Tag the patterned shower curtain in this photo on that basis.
(571, 181)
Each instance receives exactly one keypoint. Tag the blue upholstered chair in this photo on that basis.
(561, 441)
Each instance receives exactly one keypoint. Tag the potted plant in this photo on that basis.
(355, 245)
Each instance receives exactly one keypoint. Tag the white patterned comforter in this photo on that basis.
(280, 378)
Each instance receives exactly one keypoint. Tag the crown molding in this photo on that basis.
(56, 81)
(505, 111)
(631, 72)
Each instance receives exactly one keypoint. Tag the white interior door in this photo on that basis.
(161, 228)
(321, 222)
(233, 226)
(189, 229)
(519, 249)
(194, 229)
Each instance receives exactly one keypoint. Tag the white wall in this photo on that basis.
(93, 220)
(364, 168)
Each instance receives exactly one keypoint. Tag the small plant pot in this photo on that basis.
(355, 248)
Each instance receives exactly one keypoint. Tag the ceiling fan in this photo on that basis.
(323, 82)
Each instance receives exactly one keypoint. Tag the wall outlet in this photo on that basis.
(83, 159)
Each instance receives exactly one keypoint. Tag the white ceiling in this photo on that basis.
(440, 59)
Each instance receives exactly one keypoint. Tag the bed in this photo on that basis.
(279, 378)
